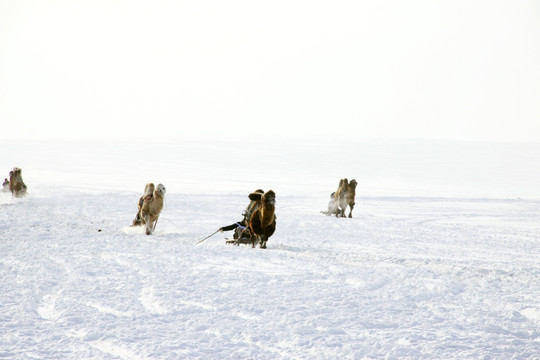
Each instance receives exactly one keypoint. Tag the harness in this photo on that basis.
(242, 227)
(252, 207)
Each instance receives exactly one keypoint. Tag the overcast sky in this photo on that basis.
(412, 69)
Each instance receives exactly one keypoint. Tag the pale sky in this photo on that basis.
(400, 69)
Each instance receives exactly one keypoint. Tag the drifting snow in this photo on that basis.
(418, 272)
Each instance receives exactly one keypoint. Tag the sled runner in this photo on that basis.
(237, 241)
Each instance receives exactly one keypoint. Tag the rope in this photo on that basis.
(176, 226)
(214, 233)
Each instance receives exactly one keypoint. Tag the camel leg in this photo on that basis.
(350, 212)
(137, 220)
(148, 225)
(254, 239)
(263, 241)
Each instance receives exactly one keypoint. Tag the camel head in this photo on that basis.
(269, 199)
(160, 190)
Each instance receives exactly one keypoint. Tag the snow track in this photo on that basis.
(407, 277)
(426, 274)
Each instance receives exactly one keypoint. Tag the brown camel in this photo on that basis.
(344, 197)
(262, 222)
(16, 183)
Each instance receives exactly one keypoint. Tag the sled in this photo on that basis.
(237, 241)
(246, 241)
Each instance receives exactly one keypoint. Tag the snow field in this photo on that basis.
(428, 267)
(432, 278)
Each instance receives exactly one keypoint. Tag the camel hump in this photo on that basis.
(255, 196)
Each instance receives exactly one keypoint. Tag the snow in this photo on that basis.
(440, 259)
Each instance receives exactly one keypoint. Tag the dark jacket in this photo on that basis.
(234, 226)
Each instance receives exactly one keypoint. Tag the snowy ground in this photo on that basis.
(441, 258)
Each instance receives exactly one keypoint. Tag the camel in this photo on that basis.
(344, 196)
(16, 183)
(151, 208)
(148, 193)
(262, 222)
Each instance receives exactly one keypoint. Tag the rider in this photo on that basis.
(5, 185)
(240, 226)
